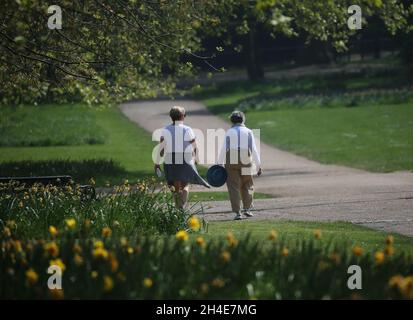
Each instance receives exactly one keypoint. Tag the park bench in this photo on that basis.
(88, 191)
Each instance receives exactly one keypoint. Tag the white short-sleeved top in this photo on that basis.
(178, 138)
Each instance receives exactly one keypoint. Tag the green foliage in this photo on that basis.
(49, 126)
(130, 210)
(319, 20)
(150, 268)
(105, 51)
(118, 247)
(111, 51)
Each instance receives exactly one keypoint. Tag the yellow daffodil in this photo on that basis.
(357, 251)
(379, 257)
(53, 231)
(59, 263)
(335, 258)
(106, 232)
(204, 288)
(87, 223)
(94, 274)
(200, 241)
(147, 282)
(182, 235)
(130, 250)
(17, 245)
(390, 240)
(78, 260)
(123, 241)
(113, 262)
(6, 232)
(317, 234)
(406, 287)
(395, 281)
(52, 249)
(100, 253)
(285, 252)
(98, 244)
(232, 241)
(273, 235)
(11, 224)
(31, 276)
(218, 283)
(56, 294)
(194, 223)
(77, 248)
(71, 223)
(108, 283)
(403, 284)
(225, 256)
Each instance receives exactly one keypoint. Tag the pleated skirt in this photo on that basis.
(177, 169)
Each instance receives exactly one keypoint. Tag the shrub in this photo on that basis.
(177, 267)
(129, 210)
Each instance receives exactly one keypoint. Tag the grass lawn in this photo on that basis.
(359, 121)
(128, 146)
(340, 233)
(376, 138)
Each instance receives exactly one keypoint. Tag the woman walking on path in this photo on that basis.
(241, 159)
(178, 146)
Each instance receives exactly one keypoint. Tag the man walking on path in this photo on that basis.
(241, 159)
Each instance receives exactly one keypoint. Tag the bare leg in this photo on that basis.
(185, 195)
(181, 194)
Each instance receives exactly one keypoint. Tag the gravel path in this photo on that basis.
(303, 189)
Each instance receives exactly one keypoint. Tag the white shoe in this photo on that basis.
(247, 213)
(238, 217)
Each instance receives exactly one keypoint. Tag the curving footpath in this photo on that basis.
(303, 189)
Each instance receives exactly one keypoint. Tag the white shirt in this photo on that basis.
(178, 138)
(239, 137)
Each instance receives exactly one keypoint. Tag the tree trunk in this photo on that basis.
(255, 70)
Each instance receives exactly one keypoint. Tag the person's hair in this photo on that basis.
(237, 117)
(177, 113)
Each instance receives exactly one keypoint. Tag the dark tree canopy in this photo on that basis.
(114, 50)
(322, 20)
(105, 49)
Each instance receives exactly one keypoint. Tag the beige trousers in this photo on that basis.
(240, 187)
